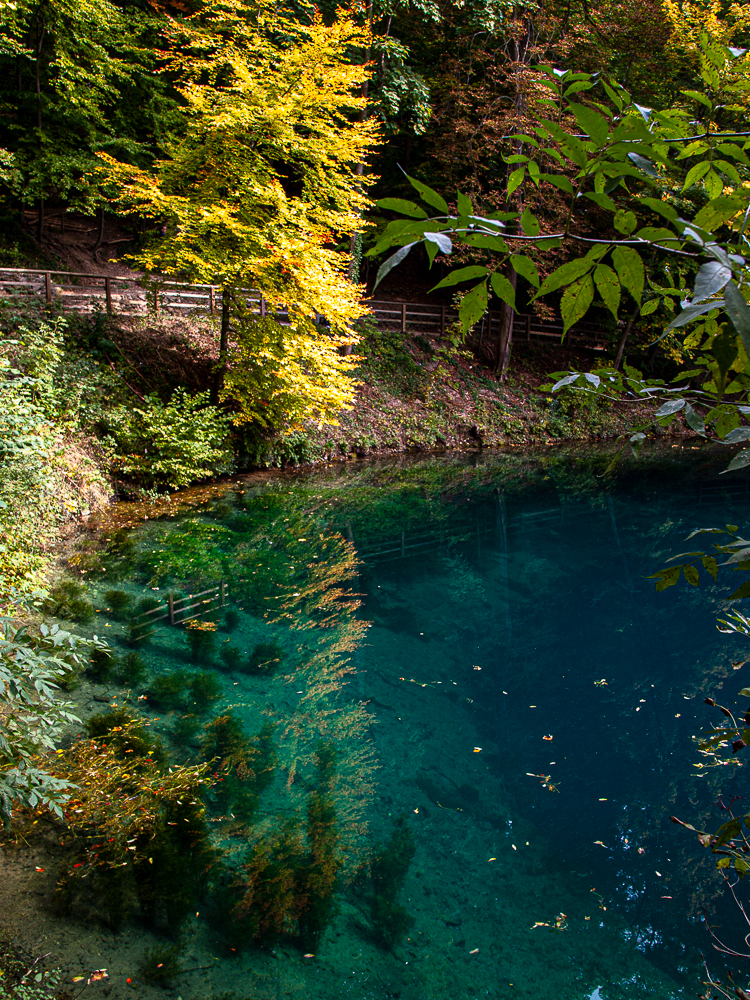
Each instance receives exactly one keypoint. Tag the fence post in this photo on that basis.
(262, 306)
(442, 321)
(212, 300)
(108, 294)
(170, 599)
(223, 593)
(48, 287)
(156, 301)
(403, 317)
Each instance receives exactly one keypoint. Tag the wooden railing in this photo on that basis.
(181, 610)
(88, 293)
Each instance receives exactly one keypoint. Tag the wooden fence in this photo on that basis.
(87, 293)
(181, 610)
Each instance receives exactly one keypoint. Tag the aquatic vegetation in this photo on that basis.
(204, 689)
(131, 669)
(231, 620)
(140, 629)
(121, 553)
(100, 666)
(231, 657)
(126, 733)
(266, 658)
(246, 765)
(201, 640)
(68, 600)
(118, 602)
(169, 691)
(390, 865)
(161, 964)
(185, 729)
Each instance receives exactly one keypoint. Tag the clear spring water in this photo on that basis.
(529, 708)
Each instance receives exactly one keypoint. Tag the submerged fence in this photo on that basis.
(82, 293)
(180, 610)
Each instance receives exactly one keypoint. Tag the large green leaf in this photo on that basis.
(462, 274)
(576, 301)
(565, 275)
(465, 206)
(504, 289)
(625, 222)
(608, 286)
(526, 268)
(516, 179)
(529, 223)
(738, 312)
(428, 195)
(695, 173)
(473, 306)
(401, 205)
(388, 265)
(718, 211)
(629, 267)
(591, 122)
(740, 461)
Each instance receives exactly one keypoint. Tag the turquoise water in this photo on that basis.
(477, 640)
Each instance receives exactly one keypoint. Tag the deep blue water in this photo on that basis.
(518, 694)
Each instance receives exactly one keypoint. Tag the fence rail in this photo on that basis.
(83, 293)
(183, 609)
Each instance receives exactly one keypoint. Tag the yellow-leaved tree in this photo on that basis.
(258, 189)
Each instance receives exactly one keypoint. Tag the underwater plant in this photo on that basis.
(168, 691)
(100, 665)
(126, 733)
(204, 689)
(139, 628)
(388, 870)
(131, 669)
(246, 765)
(185, 729)
(161, 964)
(201, 640)
(231, 657)
(231, 620)
(67, 600)
(118, 601)
(265, 658)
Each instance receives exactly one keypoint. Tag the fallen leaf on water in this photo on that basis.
(600, 843)
(546, 737)
(474, 951)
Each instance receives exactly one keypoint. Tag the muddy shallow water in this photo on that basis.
(506, 687)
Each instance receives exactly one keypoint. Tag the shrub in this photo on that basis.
(162, 445)
(265, 658)
(68, 601)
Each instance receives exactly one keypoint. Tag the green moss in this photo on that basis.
(168, 691)
(131, 669)
(231, 657)
(68, 600)
(118, 602)
(161, 964)
(100, 666)
(204, 689)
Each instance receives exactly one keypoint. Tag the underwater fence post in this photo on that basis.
(170, 600)
(223, 593)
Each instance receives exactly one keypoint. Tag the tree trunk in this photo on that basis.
(624, 337)
(221, 366)
(505, 332)
(100, 235)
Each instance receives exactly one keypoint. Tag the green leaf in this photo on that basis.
(486, 242)
(711, 566)
(576, 301)
(591, 122)
(738, 312)
(608, 286)
(526, 268)
(718, 211)
(428, 195)
(565, 274)
(473, 306)
(697, 96)
(403, 206)
(694, 420)
(670, 407)
(625, 222)
(576, 87)
(529, 223)
(516, 179)
(602, 200)
(386, 267)
(713, 184)
(691, 312)
(744, 693)
(744, 590)
(668, 578)
(740, 461)
(559, 181)
(464, 205)
(695, 173)
(691, 575)
(462, 274)
(504, 289)
(629, 267)
(651, 306)
(661, 207)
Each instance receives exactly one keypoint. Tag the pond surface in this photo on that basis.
(507, 692)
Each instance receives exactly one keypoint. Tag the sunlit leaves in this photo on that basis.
(576, 300)
(629, 266)
(608, 286)
(473, 306)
